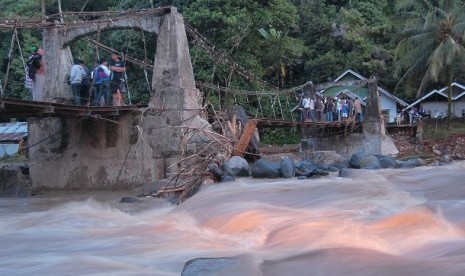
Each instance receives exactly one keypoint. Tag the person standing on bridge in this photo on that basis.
(102, 82)
(306, 106)
(358, 109)
(117, 78)
(329, 110)
(312, 110)
(75, 77)
(37, 74)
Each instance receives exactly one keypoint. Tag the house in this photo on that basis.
(435, 102)
(390, 104)
(12, 138)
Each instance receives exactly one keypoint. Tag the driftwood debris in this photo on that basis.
(246, 136)
(216, 147)
(193, 166)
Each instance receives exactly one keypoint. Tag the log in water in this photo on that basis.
(388, 222)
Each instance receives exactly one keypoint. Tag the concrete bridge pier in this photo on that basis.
(58, 61)
(128, 150)
(371, 140)
(175, 98)
(374, 125)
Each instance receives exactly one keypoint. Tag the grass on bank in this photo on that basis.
(441, 128)
(17, 158)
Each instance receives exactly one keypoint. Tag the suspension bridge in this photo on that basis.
(105, 147)
(270, 106)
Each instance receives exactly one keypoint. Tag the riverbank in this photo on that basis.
(438, 141)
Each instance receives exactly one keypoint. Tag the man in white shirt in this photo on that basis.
(306, 105)
(312, 110)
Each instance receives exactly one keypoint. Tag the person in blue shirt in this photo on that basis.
(102, 82)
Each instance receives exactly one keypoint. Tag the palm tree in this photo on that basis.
(432, 42)
(280, 52)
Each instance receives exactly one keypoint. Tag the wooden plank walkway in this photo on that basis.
(11, 108)
(284, 123)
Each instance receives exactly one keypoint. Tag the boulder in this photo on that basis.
(354, 161)
(239, 166)
(386, 162)
(415, 162)
(303, 174)
(349, 173)
(322, 167)
(265, 169)
(227, 178)
(305, 168)
(215, 170)
(339, 166)
(287, 168)
(319, 172)
(231, 266)
(13, 183)
(411, 162)
(333, 171)
(227, 170)
(306, 165)
(327, 157)
(369, 162)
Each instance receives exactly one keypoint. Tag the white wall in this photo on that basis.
(388, 103)
(435, 107)
(441, 108)
(458, 107)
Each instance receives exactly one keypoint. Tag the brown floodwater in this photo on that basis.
(386, 222)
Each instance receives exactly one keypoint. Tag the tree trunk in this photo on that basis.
(60, 11)
(43, 9)
(449, 92)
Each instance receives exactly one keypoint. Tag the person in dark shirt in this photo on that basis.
(117, 69)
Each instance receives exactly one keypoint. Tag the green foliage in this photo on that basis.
(283, 42)
(432, 43)
(279, 136)
(232, 26)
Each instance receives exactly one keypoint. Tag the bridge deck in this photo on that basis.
(14, 108)
(23, 108)
(284, 123)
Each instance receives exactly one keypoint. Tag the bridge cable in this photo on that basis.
(280, 106)
(125, 76)
(149, 85)
(10, 53)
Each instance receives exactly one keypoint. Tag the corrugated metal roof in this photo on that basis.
(13, 131)
(8, 149)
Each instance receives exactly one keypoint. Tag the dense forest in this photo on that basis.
(284, 42)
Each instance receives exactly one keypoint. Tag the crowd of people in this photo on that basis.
(104, 85)
(324, 109)
(413, 115)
